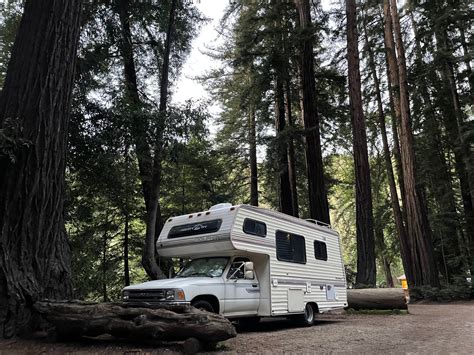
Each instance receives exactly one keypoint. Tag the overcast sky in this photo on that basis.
(198, 63)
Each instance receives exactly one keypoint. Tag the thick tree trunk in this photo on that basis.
(397, 213)
(291, 150)
(366, 268)
(253, 158)
(418, 229)
(73, 320)
(318, 201)
(34, 115)
(285, 198)
(376, 298)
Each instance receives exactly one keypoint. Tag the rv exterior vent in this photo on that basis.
(319, 223)
(219, 206)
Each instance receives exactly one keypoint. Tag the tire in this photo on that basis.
(308, 318)
(203, 305)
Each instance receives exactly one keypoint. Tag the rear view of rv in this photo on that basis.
(249, 262)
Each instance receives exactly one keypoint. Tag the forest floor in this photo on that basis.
(428, 328)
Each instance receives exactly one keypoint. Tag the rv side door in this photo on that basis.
(242, 295)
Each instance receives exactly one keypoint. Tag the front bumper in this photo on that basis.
(160, 304)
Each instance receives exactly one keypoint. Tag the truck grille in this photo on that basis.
(146, 295)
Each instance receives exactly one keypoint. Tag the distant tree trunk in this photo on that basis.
(34, 115)
(154, 220)
(418, 229)
(286, 205)
(394, 96)
(455, 126)
(366, 268)
(291, 151)
(149, 165)
(253, 159)
(397, 213)
(318, 201)
(126, 238)
(441, 188)
(384, 261)
(104, 267)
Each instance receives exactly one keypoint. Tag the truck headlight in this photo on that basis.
(125, 295)
(169, 295)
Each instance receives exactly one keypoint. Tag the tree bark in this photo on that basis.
(253, 158)
(366, 268)
(174, 323)
(397, 213)
(376, 298)
(418, 229)
(318, 201)
(285, 198)
(34, 118)
(291, 150)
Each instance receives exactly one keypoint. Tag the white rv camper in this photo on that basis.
(246, 261)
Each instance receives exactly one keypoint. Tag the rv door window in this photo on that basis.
(290, 247)
(254, 227)
(191, 229)
(320, 250)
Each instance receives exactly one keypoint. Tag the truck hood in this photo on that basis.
(178, 282)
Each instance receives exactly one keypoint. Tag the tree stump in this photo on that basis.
(376, 298)
(171, 323)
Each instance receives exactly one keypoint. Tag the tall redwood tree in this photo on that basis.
(364, 218)
(34, 116)
(318, 201)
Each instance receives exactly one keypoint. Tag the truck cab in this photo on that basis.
(220, 284)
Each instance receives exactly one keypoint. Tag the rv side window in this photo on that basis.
(320, 250)
(254, 227)
(187, 230)
(290, 247)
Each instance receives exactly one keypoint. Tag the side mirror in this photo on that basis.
(248, 266)
(249, 275)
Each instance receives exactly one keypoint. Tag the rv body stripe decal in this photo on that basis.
(303, 282)
(194, 240)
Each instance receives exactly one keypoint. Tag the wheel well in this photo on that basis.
(315, 306)
(209, 298)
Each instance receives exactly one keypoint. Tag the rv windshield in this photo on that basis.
(206, 267)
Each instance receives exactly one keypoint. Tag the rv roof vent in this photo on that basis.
(319, 223)
(220, 205)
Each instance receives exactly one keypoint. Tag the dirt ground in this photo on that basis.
(428, 328)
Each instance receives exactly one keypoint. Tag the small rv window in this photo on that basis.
(187, 230)
(290, 247)
(320, 250)
(254, 227)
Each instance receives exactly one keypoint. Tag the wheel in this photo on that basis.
(203, 305)
(308, 317)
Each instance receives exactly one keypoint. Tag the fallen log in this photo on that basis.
(172, 323)
(376, 298)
